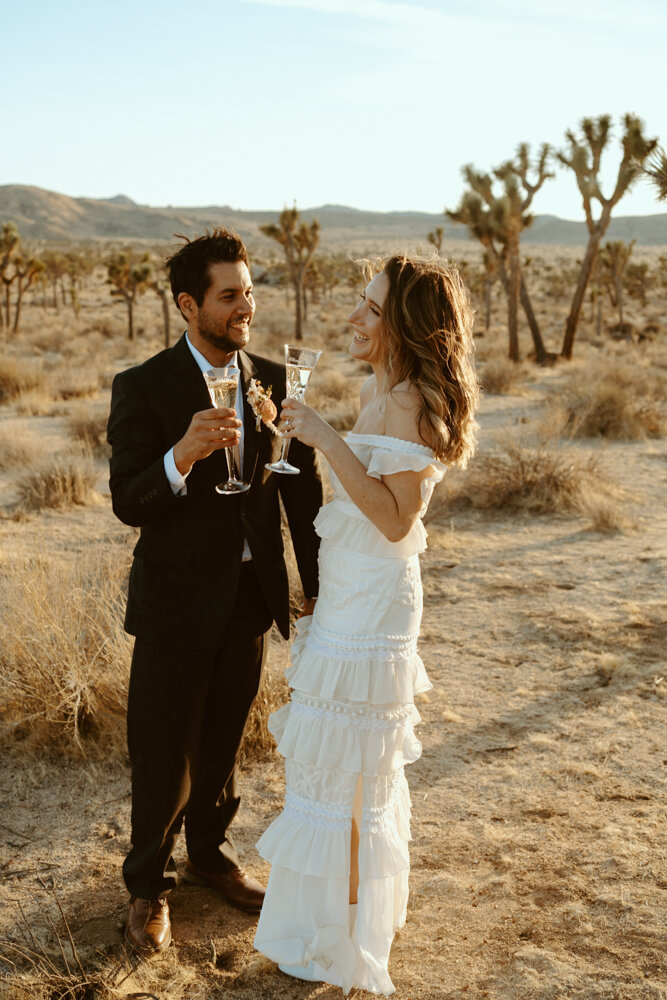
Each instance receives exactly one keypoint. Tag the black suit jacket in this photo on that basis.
(187, 561)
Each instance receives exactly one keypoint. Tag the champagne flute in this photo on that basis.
(300, 362)
(221, 384)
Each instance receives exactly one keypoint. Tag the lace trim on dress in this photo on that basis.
(392, 443)
(325, 640)
(318, 813)
(347, 715)
(382, 819)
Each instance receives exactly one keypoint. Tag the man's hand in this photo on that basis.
(209, 431)
(307, 607)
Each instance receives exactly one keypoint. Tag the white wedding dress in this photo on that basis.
(346, 735)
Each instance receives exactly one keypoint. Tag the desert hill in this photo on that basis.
(47, 215)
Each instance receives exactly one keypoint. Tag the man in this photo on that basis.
(207, 581)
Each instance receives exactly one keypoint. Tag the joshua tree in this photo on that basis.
(638, 280)
(614, 259)
(583, 156)
(55, 265)
(497, 221)
(10, 243)
(490, 277)
(299, 241)
(26, 270)
(162, 289)
(655, 168)
(130, 278)
(436, 237)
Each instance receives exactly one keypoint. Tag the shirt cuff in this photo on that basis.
(176, 480)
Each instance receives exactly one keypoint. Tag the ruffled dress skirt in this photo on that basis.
(346, 735)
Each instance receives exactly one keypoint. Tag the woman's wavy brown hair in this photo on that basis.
(428, 322)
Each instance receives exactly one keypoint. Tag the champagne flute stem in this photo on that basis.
(229, 455)
(286, 444)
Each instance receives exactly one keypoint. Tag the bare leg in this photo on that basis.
(354, 842)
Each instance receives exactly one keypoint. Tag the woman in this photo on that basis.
(339, 879)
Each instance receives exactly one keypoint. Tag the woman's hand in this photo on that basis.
(302, 422)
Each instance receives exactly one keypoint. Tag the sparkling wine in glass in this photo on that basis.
(300, 362)
(221, 384)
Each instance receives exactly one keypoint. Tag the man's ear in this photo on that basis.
(187, 305)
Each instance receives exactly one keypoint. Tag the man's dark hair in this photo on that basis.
(188, 268)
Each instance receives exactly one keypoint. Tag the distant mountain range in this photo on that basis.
(47, 215)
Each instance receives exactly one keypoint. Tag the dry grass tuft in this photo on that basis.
(39, 403)
(500, 376)
(18, 447)
(62, 481)
(17, 377)
(336, 398)
(91, 430)
(608, 517)
(624, 403)
(69, 384)
(42, 973)
(538, 480)
(64, 657)
(258, 743)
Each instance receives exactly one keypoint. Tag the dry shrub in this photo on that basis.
(336, 398)
(47, 963)
(18, 447)
(64, 657)
(91, 430)
(499, 375)
(39, 403)
(61, 481)
(622, 403)
(48, 341)
(258, 743)
(17, 377)
(73, 384)
(607, 516)
(539, 480)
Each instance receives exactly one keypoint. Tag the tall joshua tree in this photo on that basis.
(583, 156)
(497, 221)
(129, 278)
(10, 245)
(299, 241)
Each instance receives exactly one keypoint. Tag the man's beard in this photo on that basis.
(221, 341)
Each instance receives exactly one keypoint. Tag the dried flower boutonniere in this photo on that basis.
(262, 405)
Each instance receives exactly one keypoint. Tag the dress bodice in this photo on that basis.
(346, 525)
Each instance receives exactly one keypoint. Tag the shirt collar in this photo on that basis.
(205, 365)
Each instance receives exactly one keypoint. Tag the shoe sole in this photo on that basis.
(199, 880)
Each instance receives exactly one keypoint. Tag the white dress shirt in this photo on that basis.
(176, 480)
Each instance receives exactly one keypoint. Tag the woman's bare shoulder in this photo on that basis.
(402, 414)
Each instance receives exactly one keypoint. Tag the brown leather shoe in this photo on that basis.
(239, 889)
(148, 924)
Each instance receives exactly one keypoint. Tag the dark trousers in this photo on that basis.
(187, 709)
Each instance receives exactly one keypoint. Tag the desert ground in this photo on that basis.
(538, 854)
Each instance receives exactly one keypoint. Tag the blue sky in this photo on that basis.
(375, 104)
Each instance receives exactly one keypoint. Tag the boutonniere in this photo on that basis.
(262, 405)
